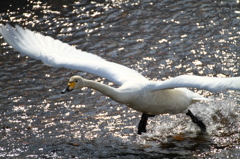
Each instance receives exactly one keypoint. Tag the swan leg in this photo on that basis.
(143, 123)
(197, 121)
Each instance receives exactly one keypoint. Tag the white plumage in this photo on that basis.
(148, 97)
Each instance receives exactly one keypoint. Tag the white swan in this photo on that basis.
(149, 97)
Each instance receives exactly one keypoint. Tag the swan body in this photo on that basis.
(149, 97)
(140, 97)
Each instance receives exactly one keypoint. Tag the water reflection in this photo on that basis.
(159, 39)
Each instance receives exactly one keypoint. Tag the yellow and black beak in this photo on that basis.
(69, 88)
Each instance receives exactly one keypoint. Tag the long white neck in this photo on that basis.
(113, 93)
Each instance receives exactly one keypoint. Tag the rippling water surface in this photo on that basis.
(160, 39)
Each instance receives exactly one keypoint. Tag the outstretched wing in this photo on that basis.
(58, 54)
(212, 84)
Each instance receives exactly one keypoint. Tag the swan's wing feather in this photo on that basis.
(212, 84)
(58, 54)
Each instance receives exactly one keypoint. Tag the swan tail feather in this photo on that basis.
(202, 98)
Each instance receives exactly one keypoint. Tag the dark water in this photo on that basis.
(160, 39)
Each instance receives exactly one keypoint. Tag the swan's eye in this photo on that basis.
(76, 81)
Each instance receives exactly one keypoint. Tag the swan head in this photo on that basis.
(75, 82)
